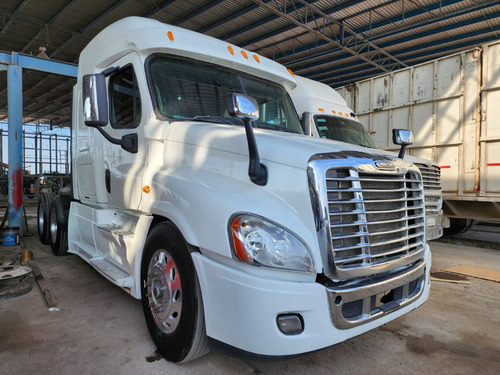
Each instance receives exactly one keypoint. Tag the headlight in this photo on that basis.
(260, 242)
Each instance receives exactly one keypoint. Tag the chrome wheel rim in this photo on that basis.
(164, 291)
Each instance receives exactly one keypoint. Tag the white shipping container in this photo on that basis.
(452, 106)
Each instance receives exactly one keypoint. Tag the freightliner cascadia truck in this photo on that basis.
(331, 118)
(451, 104)
(195, 190)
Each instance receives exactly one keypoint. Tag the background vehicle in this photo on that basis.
(450, 104)
(333, 119)
(199, 194)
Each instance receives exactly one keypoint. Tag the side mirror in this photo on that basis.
(246, 108)
(95, 111)
(95, 102)
(306, 123)
(403, 138)
(242, 106)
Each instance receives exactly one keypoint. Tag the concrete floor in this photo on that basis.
(99, 329)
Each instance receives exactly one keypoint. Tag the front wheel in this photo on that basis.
(171, 296)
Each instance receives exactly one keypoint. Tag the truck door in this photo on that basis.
(123, 170)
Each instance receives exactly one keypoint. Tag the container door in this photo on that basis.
(490, 123)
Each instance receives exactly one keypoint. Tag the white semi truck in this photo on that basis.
(195, 190)
(331, 118)
(451, 105)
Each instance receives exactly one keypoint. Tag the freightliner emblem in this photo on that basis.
(385, 165)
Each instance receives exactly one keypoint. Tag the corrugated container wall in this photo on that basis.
(452, 106)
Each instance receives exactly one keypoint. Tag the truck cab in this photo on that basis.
(196, 191)
(331, 118)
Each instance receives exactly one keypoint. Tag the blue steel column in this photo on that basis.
(15, 142)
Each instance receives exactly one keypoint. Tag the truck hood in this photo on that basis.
(274, 146)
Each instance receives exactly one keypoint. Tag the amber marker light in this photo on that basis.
(170, 36)
(146, 189)
(256, 58)
(321, 110)
(230, 49)
(291, 73)
(239, 246)
(334, 112)
(245, 55)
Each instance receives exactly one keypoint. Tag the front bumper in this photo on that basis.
(241, 309)
(353, 304)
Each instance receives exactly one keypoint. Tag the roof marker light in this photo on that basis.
(321, 110)
(230, 49)
(245, 55)
(146, 189)
(256, 58)
(334, 112)
(291, 73)
(170, 36)
(340, 113)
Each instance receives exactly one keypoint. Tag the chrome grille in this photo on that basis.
(431, 177)
(374, 218)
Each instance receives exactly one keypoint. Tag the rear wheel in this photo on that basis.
(44, 202)
(171, 296)
(58, 224)
(458, 226)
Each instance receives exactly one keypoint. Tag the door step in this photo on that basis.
(118, 276)
(115, 230)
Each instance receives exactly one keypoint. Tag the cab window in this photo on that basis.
(125, 99)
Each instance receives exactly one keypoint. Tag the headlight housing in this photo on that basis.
(259, 242)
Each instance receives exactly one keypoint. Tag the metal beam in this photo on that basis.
(315, 61)
(271, 34)
(49, 23)
(15, 141)
(36, 63)
(358, 71)
(231, 17)
(13, 16)
(370, 53)
(197, 12)
(159, 8)
(409, 27)
(108, 11)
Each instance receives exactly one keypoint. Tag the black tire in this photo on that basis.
(458, 226)
(171, 300)
(44, 202)
(58, 224)
(11, 287)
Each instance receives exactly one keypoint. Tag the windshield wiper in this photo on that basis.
(275, 127)
(215, 119)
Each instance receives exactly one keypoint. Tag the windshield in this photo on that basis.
(185, 89)
(344, 130)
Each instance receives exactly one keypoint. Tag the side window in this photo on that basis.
(125, 99)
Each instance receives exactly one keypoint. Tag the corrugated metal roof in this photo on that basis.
(329, 40)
